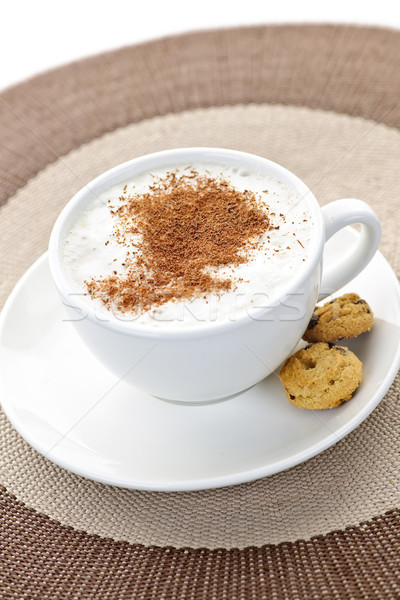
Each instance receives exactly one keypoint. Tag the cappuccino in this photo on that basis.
(188, 245)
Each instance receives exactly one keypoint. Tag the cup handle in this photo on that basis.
(337, 215)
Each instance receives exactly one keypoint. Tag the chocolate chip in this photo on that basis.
(313, 321)
(341, 350)
(361, 301)
(291, 397)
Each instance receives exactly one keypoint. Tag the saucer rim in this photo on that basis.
(214, 482)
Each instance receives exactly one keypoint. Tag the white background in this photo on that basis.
(36, 35)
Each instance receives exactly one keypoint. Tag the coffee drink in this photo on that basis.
(188, 245)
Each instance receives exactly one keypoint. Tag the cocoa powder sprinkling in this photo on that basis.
(177, 236)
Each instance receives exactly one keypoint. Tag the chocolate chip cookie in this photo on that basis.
(342, 318)
(321, 376)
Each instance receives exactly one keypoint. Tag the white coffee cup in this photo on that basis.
(222, 358)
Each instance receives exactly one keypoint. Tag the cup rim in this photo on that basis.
(166, 158)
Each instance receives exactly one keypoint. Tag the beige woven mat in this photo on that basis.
(327, 528)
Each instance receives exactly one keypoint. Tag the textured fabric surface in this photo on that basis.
(332, 153)
(350, 70)
(55, 562)
(328, 528)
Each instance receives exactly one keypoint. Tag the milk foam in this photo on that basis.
(259, 282)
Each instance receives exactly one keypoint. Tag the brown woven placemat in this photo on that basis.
(324, 101)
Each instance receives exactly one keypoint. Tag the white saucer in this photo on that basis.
(70, 409)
